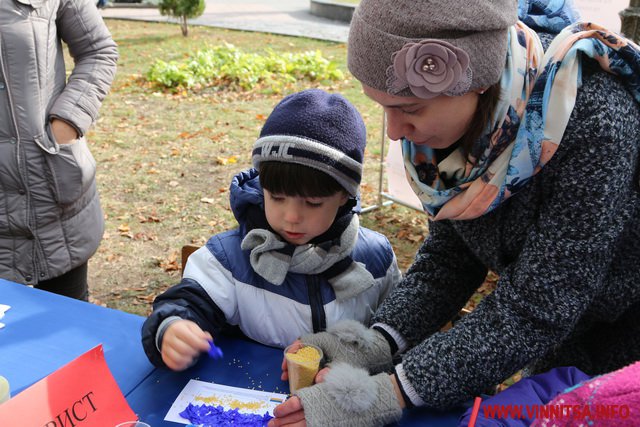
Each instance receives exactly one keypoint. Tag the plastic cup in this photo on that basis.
(133, 424)
(5, 392)
(303, 363)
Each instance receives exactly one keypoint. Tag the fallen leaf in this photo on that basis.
(226, 160)
(171, 263)
(149, 218)
(146, 298)
(144, 236)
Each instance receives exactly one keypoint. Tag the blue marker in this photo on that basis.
(215, 351)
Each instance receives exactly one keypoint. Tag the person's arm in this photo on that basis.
(95, 55)
(587, 197)
(205, 296)
(441, 280)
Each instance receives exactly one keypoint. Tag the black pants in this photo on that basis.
(72, 284)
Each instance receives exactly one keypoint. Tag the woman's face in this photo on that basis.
(438, 122)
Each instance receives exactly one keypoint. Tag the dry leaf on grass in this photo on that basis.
(170, 263)
(226, 160)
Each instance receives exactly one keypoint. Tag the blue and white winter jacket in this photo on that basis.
(220, 288)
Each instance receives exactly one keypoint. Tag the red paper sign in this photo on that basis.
(83, 393)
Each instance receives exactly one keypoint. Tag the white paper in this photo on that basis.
(3, 309)
(200, 392)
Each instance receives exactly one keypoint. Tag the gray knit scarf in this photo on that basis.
(271, 260)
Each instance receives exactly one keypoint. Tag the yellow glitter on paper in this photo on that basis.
(232, 403)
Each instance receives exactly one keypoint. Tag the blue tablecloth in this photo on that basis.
(45, 331)
(245, 364)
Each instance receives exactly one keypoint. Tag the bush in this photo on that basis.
(182, 9)
(226, 67)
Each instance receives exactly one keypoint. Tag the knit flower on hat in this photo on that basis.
(430, 68)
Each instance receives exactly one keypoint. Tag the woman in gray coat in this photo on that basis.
(50, 216)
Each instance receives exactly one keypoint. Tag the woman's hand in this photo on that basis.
(63, 132)
(182, 343)
(351, 342)
(344, 395)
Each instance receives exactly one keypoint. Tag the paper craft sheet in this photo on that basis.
(200, 392)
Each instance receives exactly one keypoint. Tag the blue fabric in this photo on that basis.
(244, 192)
(526, 393)
(548, 16)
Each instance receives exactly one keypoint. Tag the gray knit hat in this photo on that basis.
(426, 48)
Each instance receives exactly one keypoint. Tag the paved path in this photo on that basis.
(288, 17)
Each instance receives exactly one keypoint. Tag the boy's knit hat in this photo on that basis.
(426, 48)
(315, 129)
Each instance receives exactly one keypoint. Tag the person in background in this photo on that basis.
(299, 261)
(50, 220)
(527, 163)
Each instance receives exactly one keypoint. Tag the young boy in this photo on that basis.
(298, 262)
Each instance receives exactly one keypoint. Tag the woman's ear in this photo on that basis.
(480, 90)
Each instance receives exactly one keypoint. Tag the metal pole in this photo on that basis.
(383, 139)
(630, 18)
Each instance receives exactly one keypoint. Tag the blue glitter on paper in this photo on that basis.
(212, 416)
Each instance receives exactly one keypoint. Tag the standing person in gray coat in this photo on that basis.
(50, 216)
(527, 161)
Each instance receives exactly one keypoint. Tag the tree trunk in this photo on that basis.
(631, 21)
(183, 26)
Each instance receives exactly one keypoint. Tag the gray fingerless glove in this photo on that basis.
(350, 397)
(351, 342)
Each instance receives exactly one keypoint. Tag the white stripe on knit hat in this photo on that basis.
(277, 148)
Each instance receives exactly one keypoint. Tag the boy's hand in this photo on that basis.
(182, 343)
(289, 413)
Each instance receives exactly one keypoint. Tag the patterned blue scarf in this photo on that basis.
(538, 92)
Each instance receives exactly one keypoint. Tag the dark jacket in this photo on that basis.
(567, 251)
